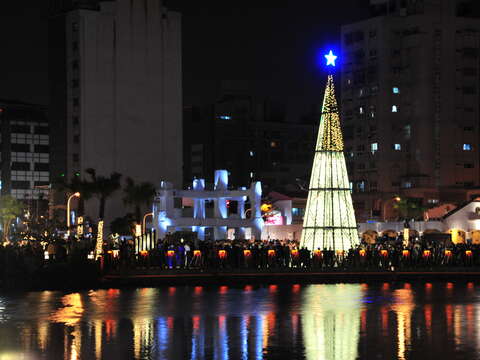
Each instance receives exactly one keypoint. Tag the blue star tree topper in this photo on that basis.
(330, 58)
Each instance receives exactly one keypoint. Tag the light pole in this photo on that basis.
(77, 194)
(144, 225)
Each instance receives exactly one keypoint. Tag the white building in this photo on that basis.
(119, 108)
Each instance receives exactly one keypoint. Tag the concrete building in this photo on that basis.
(410, 103)
(25, 146)
(252, 139)
(116, 90)
(168, 219)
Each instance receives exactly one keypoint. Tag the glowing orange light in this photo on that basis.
(222, 254)
(426, 253)
(468, 253)
(317, 253)
(110, 252)
(405, 253)
(470, 285)
(384, 253)
(197, 253)
(271, 252)
(247, 253)
(294, 252)
(144, 252)
(362, 253)
(448, 253)
(171, 253)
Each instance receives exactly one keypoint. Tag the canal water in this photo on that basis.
(418, 320)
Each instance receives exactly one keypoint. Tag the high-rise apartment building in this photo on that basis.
(410, 103)
(116, 90)
(25, 140)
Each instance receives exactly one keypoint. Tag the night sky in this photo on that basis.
(267, 49)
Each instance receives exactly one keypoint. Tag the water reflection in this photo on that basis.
(331, 321)
(345, 321)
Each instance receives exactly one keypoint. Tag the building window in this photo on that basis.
(396, 90)
(20, 166)
(224, 117)
(361, 186)
(407, 130)
(20, 148)
(41, 167)
(251, 175)
(397, 147)
(360, 110)
(20, 129)
(251, 153)
(273, 144)
(467, 147)
(407, 184)
(394, 108)
(41, 149)
(41, 130)
(374, 147)
(433, 201)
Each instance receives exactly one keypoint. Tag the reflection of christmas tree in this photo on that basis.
(329, 221)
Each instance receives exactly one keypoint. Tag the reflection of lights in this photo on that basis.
(403, 307)
(331, 321)
(457, 325)
(363, 321)
(222, 347)
(449, 316)
(384, 314)
(144, 303)
(71, 312)
(98, 339)
(428, 319)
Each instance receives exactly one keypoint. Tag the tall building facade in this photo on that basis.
(25, 159)
(251, 138)
(410, 103)
(116, 90)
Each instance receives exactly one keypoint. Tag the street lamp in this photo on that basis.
(144, 227)
(77, 194)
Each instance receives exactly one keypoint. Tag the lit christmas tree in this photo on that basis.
(329, 221)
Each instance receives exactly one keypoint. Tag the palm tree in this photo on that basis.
(102, 187)
(409, 208)
(10, 209)
(137, 195)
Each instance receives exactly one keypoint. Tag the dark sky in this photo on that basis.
(269, 49)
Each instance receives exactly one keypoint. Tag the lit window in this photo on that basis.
(397, 147)
(251, 153)
(360, 109)
(467, 147)
(394, 108)
(273, 144)
(251, 175)
(225, 117)
(433, 201)
(361, 186)
(374, 147)
(396, 90)
(360, 92)
(407, 184)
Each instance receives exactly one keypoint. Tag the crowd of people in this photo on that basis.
(32, 261)
(279, 254)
